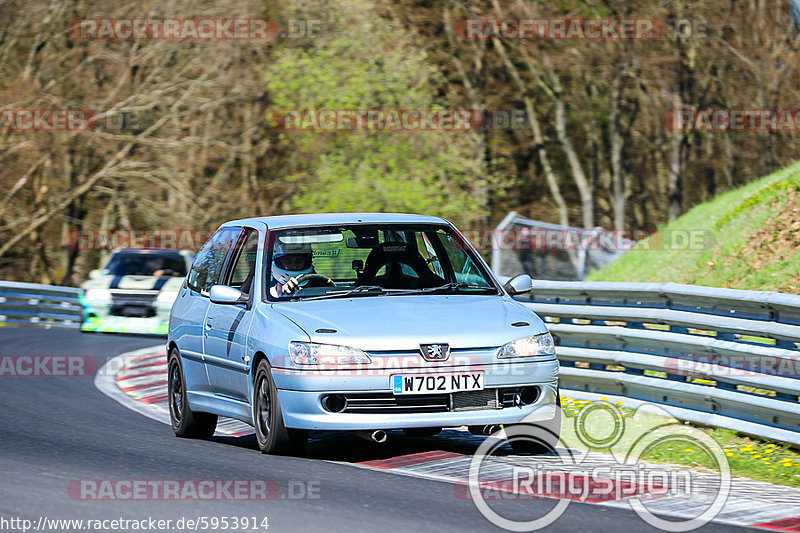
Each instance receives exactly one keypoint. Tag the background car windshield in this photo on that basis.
(146, 264)
(388, 256)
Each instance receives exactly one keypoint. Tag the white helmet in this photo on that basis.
(300, 252)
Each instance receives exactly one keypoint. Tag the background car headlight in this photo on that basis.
(528, 346)
(167, 297)
(309, 353)
(97, 294)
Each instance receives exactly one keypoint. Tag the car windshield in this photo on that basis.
(135, 263)
(371, 260)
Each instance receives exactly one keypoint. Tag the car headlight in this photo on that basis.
(310, 353)
(97, 294)
(528, 347)
(167, 297)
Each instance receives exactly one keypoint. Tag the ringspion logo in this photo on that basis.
(568, 477)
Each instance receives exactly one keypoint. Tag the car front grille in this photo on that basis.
(133, 304)
(386, 402)
(475, 400)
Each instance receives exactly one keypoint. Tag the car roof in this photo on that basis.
(325, 219)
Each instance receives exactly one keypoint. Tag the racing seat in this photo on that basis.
(394, 255)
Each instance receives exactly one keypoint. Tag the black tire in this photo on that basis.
(185, 422)
(422, 432)
(272, 436)
(535, 439)
(539, 438)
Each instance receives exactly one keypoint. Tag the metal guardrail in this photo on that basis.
(723, 357)
(31, 304)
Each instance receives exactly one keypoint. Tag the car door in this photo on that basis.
(189, 311)
(227, 326)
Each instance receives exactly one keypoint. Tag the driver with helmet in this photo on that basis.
(289, 262)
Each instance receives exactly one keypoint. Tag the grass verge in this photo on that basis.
(747, 457)
(747, 238)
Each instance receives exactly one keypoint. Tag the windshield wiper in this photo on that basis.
(363, 289)
(451, 286)
(372, 290)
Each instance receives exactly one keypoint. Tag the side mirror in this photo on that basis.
(224, 295)
(519, 285)
(94, 274)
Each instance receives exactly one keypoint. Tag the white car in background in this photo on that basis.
(135, 290)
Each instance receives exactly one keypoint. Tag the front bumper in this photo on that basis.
(302, 397)
(99, 319)
(100, 316)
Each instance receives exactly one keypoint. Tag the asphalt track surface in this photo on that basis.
(54, 430)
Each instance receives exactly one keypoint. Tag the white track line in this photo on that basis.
(106, 381)
(149, 369)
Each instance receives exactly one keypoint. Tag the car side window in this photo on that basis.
(209, 260)
(464, 269)
(244, 262)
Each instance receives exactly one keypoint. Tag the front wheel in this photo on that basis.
(535, 438)
(529, 439)
(271, 434)
(185, 422)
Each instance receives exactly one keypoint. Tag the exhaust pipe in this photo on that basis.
(377, 435)
(488, 429)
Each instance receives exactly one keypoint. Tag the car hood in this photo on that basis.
(402, 323)
(142, 283)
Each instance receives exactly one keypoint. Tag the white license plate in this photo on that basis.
(436, 383)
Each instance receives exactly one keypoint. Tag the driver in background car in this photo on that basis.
(289, 262)
(156, 267)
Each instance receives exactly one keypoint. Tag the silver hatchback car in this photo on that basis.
(356, 322)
